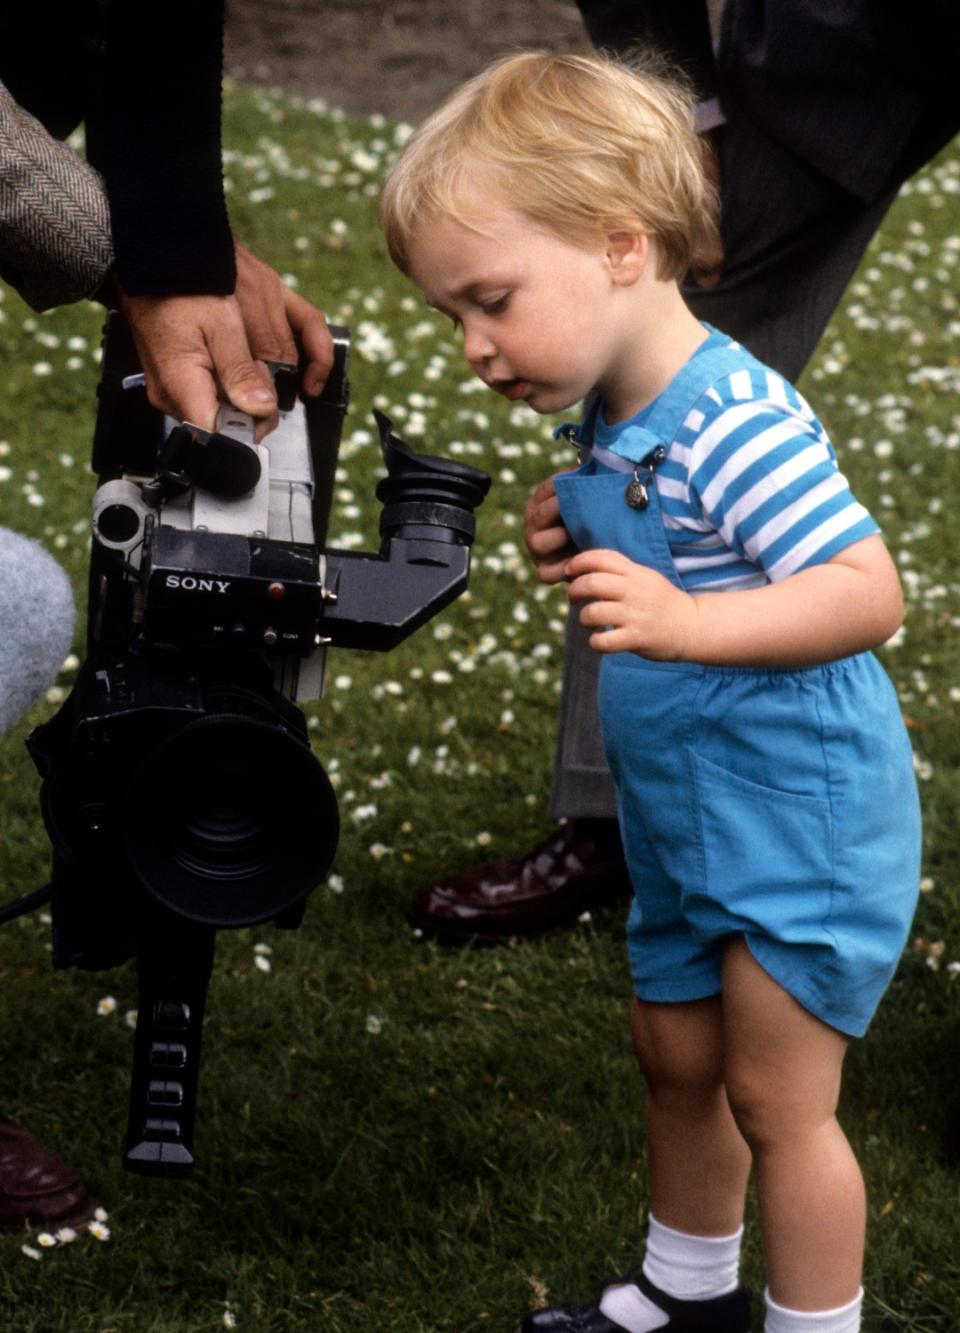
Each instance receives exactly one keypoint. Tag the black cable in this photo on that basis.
(28, 903)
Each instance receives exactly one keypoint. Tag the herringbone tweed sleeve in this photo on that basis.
(55, 241)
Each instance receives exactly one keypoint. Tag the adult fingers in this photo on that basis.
(268, 333)
(185, 390)
(281, 325)
(315, 339)
(245, 381)
(173, 353)
(261, 299)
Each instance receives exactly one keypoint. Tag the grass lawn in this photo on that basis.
(394, 1138)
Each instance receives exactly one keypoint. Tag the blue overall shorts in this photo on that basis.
(780, 805)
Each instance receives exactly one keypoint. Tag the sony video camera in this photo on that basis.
(180, 792)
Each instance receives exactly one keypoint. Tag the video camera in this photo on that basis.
(180, 792)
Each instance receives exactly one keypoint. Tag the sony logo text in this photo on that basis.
(192, 584)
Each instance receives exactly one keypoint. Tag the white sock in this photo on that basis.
(845, 1319)
(627, 1305)
(692, 1268)
(686, 1267)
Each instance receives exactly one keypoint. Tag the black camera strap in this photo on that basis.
(29, 902)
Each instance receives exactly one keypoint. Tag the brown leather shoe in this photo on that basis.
(37, 1189)
(570, 872)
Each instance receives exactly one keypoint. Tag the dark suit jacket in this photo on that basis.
(861, 90)
(144, 76)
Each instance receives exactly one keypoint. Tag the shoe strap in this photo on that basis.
(684, 1313)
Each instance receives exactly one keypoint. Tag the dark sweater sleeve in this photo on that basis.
(161, 147)
(679, 29)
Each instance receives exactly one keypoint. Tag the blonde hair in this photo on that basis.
(580, 144)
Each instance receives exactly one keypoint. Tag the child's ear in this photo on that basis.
(626, 253)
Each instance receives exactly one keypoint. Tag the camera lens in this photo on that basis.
(230, 820)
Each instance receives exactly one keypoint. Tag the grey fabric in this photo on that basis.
(55, 241)
(582, 785)
(36, 612)
(792, 241)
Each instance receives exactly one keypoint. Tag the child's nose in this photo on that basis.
(477, 346)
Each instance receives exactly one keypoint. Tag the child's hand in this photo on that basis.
(547, 539)
(647, 614)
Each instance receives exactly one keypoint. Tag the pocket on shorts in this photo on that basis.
(767, 858)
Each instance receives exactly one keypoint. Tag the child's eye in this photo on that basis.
(496, 306)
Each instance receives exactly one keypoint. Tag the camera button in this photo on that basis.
(168, 1054)
(171, 1014)
(164, 1094)
(167, 1130)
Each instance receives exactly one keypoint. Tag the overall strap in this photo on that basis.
(670, 409)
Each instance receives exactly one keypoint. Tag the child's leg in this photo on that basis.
(783, 1071)
(698, 1160)
(699, 1164)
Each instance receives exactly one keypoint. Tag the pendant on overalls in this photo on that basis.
(636, 495)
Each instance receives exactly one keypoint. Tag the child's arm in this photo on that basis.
(851, 603)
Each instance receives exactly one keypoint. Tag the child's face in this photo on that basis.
(537, 313)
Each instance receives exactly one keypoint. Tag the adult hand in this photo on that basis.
(275, 318)
(631, 608)
(547, 539)
(191, 347)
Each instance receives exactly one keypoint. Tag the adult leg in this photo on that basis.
(578, 866)
(792, 241)
(782, 1071)
(36, 1187)
(582, 785)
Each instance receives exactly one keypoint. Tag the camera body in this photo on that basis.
(222, 537)
(180, 791)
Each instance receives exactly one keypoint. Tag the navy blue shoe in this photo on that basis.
(722, 1314)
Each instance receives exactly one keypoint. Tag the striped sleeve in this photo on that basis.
(765, 477)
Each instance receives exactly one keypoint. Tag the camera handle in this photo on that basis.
(174, 963)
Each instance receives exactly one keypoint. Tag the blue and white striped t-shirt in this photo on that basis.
(750, 490)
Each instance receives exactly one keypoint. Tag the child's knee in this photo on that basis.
(755, 1101)
(773, 1107)
(679, 1046)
